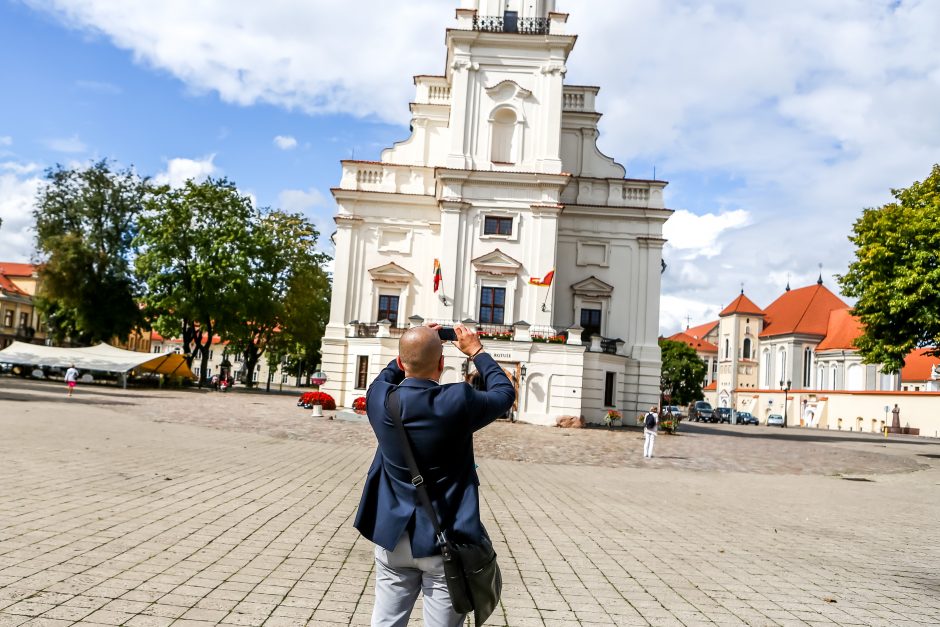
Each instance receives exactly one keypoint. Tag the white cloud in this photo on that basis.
(66, 144)
(180, 170)
(319, 56)
(701, 235)
(20, 169)
(301, 200)
(18, 187)
(285, 142)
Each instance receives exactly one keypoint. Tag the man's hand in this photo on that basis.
(467, 341)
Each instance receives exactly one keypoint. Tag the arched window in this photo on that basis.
(820, 378)
(504, 136)
(747, 348)
(833, 383)
(782, 365)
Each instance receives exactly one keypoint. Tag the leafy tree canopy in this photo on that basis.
(86, 221)
(285, 266)
(194, 262)
(682, 373)
(896, 274)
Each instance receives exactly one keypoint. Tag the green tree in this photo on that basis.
(284, 267)
(195, 249)
(306, 314)
(86, 221)
(682, 373)
(896, 274)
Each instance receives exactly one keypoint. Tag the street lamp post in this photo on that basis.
(786, 394)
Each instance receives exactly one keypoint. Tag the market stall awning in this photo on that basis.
(100, 358)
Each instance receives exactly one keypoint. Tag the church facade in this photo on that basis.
(797, 358)
(500, 212)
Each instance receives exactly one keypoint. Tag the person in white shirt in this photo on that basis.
(71, 378)
(650, 425)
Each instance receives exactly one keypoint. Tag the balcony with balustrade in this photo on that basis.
(517, 332)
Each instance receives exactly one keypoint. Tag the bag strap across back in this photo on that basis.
(393, 405)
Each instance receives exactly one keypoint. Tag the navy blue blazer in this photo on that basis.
(440, 420)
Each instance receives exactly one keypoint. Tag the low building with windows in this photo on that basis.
(500, 211)
(224, 361)
(20, 321)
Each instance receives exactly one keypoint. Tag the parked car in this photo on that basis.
(674, 410)
(774, 420)
(723, 414)
(746, 418)
(702, 411)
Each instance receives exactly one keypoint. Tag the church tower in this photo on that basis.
(500, 211)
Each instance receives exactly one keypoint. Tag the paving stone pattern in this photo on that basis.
(110, 517)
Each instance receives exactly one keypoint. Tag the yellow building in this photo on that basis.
(19, 320)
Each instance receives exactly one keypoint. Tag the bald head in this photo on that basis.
(420, 351)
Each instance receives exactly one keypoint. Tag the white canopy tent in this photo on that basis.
(100, 358)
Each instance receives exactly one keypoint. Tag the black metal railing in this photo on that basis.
(520, 25)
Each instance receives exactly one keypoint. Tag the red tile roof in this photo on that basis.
(711, 386)
(7, 285)
(842, 331)
(17, 269)
(742, 305)
(699, 345)
(804, 311)
(701, 330)
(918, 365)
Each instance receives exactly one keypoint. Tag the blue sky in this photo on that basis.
(775, 123)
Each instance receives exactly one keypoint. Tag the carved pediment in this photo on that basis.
(496, 263)
(592, 287)
(391, 273)
(508, 90)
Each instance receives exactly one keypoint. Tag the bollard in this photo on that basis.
(886, 431)
(317, 411)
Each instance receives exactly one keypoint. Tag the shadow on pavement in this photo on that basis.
(797, 434)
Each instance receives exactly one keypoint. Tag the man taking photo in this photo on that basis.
(440, 421)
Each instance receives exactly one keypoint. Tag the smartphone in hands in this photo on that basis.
(447, 334)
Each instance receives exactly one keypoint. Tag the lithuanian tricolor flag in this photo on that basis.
(438, 277)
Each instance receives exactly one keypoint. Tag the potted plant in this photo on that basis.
(613, 418)
(359, 405)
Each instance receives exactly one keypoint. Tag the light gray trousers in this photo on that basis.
(399, 578)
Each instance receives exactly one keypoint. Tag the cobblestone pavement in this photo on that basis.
(123, 508)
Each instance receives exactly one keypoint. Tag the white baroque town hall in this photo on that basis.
(500, 185)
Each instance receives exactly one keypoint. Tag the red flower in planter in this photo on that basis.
(309, 399)
(359, 405)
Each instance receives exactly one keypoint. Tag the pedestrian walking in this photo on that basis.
(71, 379)
(436, 423)
(650, 426)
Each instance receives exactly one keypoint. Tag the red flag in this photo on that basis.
(547, 281)
(438, 278)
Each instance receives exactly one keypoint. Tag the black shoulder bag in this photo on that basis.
(473, 578)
